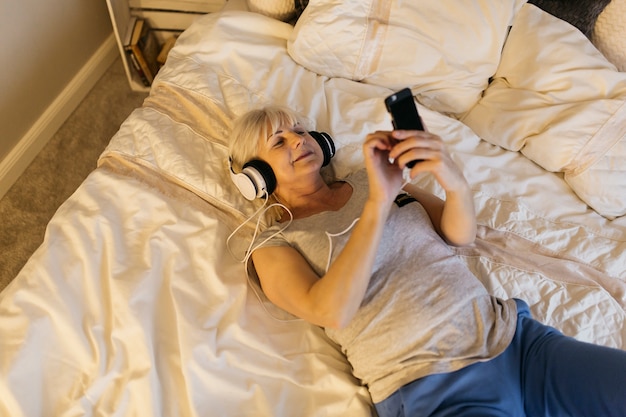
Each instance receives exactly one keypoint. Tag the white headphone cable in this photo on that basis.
(252, 248)
(330, 240)
(243, 224)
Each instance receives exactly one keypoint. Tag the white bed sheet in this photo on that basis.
(134, 306)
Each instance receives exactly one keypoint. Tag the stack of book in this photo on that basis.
(142, 49)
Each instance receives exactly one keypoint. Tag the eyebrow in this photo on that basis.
(279, 132)
(273, 134)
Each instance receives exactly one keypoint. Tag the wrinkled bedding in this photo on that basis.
(518, 76)
(133, 304)
(559, 101)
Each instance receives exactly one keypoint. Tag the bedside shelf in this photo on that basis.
(166, 17)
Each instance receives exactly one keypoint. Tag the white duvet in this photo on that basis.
(134, 306)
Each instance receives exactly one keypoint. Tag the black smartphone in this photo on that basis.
(404, 113)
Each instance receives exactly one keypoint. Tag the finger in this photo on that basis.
(378, 141)
(417, 157)
(404, 134)
(426, 143)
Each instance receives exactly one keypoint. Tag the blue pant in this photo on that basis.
(542, 373)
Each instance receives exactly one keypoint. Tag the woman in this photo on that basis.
(373, 266)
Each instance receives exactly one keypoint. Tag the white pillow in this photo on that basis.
(445, 51)
(609, 34)
(556, 99)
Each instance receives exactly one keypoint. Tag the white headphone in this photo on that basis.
(257, 179)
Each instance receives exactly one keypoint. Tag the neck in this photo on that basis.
(316, 198)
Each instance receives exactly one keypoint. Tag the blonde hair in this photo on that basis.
(256, 124)
(244, 141)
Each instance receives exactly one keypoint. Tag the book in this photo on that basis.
(129, 54)
(142, 49)
(165, 50)
(135, 64)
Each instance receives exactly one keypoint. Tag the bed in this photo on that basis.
(135, 306)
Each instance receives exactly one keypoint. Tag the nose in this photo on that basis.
(296, 139)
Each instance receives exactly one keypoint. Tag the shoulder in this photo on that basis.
(271, 236)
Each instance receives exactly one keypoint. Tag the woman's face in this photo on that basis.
(292, 153)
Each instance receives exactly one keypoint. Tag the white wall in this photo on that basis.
(44, 45)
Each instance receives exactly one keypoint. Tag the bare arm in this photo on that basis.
(332, 300)
(455, 218)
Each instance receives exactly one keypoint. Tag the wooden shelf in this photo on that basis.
(166, 17)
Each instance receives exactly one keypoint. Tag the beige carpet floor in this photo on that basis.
(60, 168)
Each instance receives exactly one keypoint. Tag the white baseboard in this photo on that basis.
(40, 133)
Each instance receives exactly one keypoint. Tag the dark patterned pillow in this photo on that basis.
(300, 5)
(580, 13)
(285, 10)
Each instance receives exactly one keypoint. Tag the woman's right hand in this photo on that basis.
(385, 177)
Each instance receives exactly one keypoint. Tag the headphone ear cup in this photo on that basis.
(326, 143)
(261, 176)
(243, 183)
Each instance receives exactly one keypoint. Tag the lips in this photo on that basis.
(302, 156)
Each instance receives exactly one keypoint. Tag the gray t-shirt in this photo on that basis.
(423, 312)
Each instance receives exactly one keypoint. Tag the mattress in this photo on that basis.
(135, 305)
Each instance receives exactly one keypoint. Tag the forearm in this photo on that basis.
(341, 290)
(458, 217)
(454, 218)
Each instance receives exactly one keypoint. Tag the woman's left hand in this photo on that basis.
(455, 219)
(432, 155)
